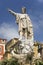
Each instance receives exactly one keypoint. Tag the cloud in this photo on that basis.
(8, 31)
(37, 26)
(40, 1)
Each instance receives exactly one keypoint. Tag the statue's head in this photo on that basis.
(23, 10)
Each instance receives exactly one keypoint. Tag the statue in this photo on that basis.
(25, 32)
(24, 23)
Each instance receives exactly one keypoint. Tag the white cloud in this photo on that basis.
(40, 1)
(37, 23)
(8, 31)
(36, 27)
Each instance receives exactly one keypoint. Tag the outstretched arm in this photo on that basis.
(12, 12)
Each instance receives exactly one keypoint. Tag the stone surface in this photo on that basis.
(25, 33)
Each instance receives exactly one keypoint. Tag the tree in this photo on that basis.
(38, 62)
(4, 62)
(11, 61)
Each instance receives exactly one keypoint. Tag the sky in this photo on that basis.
(8, 26)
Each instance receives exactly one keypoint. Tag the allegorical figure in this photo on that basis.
(24, 23)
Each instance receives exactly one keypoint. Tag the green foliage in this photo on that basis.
(38, 62)
(4, 62)
(14, 61)
(11, 61)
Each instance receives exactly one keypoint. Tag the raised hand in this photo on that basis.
(12, 12)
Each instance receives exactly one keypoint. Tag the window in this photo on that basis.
(0, 49)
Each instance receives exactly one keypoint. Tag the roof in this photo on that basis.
(3, 39)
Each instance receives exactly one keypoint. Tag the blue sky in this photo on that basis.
(8, 26)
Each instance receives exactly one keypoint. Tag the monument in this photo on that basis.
(25, 33)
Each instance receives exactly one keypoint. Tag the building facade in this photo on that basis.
(6, 47)
(2, 47)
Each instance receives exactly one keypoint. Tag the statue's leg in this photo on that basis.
(31, 34)
(21, 34)
(26, 34)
